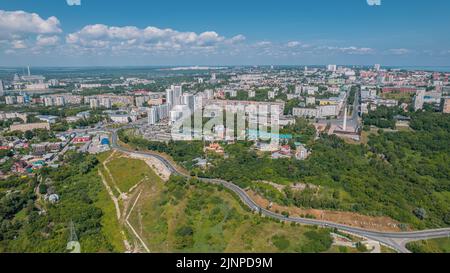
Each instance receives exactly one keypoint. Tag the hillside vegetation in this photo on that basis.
(191, 216)
(31, 224)
(402, 175)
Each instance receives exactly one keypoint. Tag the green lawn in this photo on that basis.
(127, 172)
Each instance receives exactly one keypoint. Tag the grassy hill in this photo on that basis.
(190, 216)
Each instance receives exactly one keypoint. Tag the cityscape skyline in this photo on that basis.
(176, 33)
(241, 129)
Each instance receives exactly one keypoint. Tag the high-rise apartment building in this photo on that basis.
(2, 90)
(419, 99)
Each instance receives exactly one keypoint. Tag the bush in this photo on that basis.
(280, 242)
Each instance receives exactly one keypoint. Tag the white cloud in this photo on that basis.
(20, 30)
(374, 2)
(293, 44)
(357, 50)
(264, 44)
(44, 41)
(18, 44)
(73, 2)
(21, 23)
(237, 39)
(349, 50)
(399, 51)
(99, 36)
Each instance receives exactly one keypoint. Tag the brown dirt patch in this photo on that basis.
(385, 224)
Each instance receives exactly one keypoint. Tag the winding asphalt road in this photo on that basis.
(395, 240)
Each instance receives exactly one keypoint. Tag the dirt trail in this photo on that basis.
(111, 194)
(131, 226)
(122, 215)
(105, 166)
(384, 224)
(127, 245)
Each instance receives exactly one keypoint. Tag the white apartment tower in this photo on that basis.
(174, 95)
(419, 99)
(2, 91)
(60, 101)
(9, 100)
(169, 97)
(94, 103)
(332, 67)
(20, 99)
(189, 100)
(48, 101)
(177, 94)
(152, 116)
(106, 102)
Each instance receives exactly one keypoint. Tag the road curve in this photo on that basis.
(395, 240)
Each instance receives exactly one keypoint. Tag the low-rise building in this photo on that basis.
(81, 139)
(304, 112)
(301, 153)
(48, 119)
(214, 147)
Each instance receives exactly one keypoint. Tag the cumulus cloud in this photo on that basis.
(44, 41)
(101, 36)
(20, 30)
(14, 23)
(237, 39)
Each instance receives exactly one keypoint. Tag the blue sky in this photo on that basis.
(138, 32)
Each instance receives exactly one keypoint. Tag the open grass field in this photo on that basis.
(110, 225)
(430, 246)
(127, 172)
(189, 216)
(194, 217)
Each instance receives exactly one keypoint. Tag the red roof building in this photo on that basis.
(82, 139)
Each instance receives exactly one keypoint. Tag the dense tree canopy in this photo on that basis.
(30, 224)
